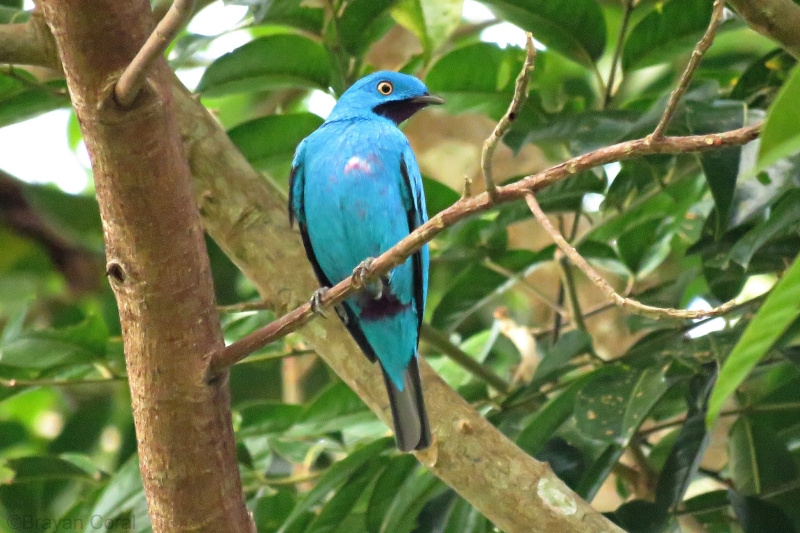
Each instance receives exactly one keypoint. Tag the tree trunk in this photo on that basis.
(158, 267)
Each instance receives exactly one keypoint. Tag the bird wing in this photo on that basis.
(417, 215)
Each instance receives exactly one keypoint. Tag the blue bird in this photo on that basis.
(355, 191)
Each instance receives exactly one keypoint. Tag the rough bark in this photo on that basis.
(776, 19)
(158, 267)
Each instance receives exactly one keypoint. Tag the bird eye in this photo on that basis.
(385, 88)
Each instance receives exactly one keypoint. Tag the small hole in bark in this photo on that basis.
(115, 272)
(512, 117)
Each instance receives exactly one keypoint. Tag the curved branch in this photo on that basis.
(465, 207)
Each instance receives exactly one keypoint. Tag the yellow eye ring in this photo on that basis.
(385, 88)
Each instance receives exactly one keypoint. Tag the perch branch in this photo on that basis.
(136, 72)
(520, 95)
(603, 285)
(694, 61)
(465, 207)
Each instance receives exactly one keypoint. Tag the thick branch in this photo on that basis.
(158, 267)
(28, 43)
(776, 19)
(135, 74)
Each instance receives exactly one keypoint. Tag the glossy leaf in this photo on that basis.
(281, 60)
(477, 78)
(759, 516)
(385, 491)
(783, 219)
(81, 343)
(779, 310)
(334, 477)
(576, 28)
(759, 460)
(23, 97)
(781, 134)
(271, 140)
(613, 407)
(362, 22)
(670, 27)
(432, 21)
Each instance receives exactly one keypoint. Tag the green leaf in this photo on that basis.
(362, 23)
(568, 346)
(763, 77)
(295, 13)
(346, 497)
(81, 343)
(759, 516)
(477, 78)
(420, 487)
(670, 28)
(575, 28)
(598, 472)
(783, 219)
(337, 408)
(266, 418)
(780, 136)
(13, 15)
(40, 468)
(270, 140)
(759, 459)
(464, 518)
(613, 407)
(432, 21)
(720, 167)
(689, 447)
(270, 511)
(438, 196)
(385, 492)
(76, 216)
(22, 97)
(556, 411)
(281, 60)
(124, 494)
(639, 516)
(779, 310)
(334, 477)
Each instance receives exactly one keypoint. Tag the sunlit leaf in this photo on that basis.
(779, 310)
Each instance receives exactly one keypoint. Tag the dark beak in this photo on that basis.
(427, 100)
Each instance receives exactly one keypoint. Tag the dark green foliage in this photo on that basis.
(673, 228)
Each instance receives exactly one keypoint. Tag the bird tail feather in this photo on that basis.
(411, 427)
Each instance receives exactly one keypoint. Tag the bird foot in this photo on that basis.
(360, 272)
(316, 301)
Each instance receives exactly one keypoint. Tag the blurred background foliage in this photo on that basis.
(615, 403)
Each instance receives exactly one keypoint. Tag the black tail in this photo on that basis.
(411, 428)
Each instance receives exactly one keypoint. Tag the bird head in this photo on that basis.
(388, 94)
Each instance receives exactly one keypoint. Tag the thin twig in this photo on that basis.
(520, 95)
(604, 286)
(134, 76)
(694, 61)
(520, 277)
(243, 307)
(19, 383)
(466, 207)
(440, 341)
(744, 410)
(627, 7)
